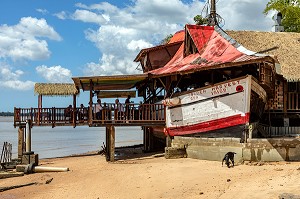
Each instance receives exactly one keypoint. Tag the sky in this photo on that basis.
(51, 41)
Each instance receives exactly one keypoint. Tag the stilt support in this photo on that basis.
(20, 141)
(110, 143)
(148, 139)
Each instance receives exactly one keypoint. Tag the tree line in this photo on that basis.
(6, 114)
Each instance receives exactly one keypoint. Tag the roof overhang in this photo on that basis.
(143, 52)
(116, 82)
(198, 68)
(55, 89)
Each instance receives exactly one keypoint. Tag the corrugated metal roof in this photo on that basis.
(117, 82)
(215, 49)
(177, 37)
(146, 50)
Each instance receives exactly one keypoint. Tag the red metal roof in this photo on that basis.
(215, 49)
(178, 36)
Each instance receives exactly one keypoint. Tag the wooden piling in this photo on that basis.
(110, 143)
(148, 139)
(20, 141)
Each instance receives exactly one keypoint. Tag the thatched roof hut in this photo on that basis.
(284, 45)
(55, 89)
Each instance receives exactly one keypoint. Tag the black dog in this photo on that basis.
(229, 156)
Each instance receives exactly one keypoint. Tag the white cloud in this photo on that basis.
(61, 15)
(89, 17)
(245, 15)
(138, 45)
(54, 73)
(43, 11)
(23, 41)
(123, 32)
(10, 79)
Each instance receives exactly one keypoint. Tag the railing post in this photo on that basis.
(31, 114)
(90, 119)
(53, 116)
(15, 116)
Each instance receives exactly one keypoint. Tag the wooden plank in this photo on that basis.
(116, 94)
(112, 143)
(10, 175)
(16, 186)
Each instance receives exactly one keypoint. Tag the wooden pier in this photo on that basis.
(145, 115)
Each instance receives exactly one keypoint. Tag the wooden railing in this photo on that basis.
(110, 113)
(130, 113)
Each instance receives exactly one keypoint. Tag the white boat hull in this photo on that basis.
(211, 108)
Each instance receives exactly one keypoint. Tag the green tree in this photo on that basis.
(166, 39)
(199, 20)
(290, 10)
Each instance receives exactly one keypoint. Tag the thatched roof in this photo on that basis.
(284, 45)
(55, 89)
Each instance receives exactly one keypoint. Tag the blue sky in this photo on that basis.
(52, 41)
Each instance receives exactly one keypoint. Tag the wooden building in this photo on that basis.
(284, 110)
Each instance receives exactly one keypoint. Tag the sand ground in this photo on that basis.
(153, 176)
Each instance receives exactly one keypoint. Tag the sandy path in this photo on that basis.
(156, 177)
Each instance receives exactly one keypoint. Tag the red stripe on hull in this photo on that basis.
(210, 125)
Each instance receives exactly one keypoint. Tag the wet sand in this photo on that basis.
(137, 175)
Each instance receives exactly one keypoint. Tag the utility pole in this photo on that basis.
(212, 21)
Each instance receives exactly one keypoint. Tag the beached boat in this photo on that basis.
(226, 107)
(213, 86)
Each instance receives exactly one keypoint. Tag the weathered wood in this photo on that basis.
(20, 141)
(16, 186)
(107, 143)
(10, 174)
(112, 143)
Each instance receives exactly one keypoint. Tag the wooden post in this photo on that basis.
(20, 141)
(285, 97)
(145, 138)
(148, 139)
(40, 106)
(110, 143)
(28, 135)
(90, 119)
(74, 111)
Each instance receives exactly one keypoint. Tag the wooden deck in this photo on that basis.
(130, 115)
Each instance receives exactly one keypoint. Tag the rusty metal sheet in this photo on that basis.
(116, 82)
(177, 37)
(214, 51)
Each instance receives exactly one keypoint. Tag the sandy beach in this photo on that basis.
(138, 175)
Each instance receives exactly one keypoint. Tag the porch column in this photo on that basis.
(40, 106)
(74, 111)
(90, 119)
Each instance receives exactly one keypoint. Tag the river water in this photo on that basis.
(51, 142)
